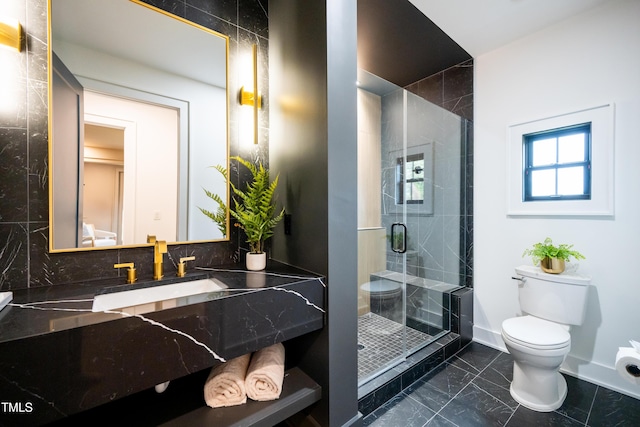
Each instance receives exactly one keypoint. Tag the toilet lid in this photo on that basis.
(536, 333)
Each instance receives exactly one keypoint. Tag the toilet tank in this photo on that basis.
(560, 298)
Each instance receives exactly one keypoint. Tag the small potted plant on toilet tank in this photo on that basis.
(552, 258)
(255, 212)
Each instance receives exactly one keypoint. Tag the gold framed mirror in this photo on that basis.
(138, 117)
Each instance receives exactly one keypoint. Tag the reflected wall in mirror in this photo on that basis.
(138, 117)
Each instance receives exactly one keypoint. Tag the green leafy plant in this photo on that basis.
(220, 215)
(547, 249)
(255, 208)
(398, 240)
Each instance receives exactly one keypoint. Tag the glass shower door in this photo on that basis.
(431, 183)
(408, 223)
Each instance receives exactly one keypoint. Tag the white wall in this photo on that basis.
(585, 61)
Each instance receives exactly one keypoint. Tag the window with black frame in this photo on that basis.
(557, 164)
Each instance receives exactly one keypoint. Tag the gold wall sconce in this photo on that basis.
(11, 33)
(253, 98)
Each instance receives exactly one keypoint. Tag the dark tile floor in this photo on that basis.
(472, 389)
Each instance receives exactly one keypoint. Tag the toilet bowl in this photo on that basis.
(385, 298)
(538, 348)
(539, 340)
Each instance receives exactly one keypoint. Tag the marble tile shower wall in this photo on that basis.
(439, 236)
(24, 195)
(452, 89)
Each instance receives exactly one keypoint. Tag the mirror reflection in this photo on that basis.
(138, 118)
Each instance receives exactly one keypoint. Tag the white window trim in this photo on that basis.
(602, 172)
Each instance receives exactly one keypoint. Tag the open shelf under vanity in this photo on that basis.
(182, 404)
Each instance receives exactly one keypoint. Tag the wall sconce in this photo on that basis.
(11, 33)
(253, 98)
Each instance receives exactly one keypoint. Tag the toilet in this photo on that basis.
(539, 340)
(385, 298)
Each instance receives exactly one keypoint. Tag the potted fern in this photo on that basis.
(255, 212)
(552, 258)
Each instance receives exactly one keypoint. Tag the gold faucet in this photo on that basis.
(159, 248)
(131, 271)
(182, 265)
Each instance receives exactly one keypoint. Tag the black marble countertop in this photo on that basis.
(43, 310)
(59, 357)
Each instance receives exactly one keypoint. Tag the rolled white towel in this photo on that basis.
(266, 373)
(225, 385)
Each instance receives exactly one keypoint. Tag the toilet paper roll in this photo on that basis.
(628, 364)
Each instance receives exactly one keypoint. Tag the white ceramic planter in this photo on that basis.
(256, 262)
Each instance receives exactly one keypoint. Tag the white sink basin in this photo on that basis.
(165, 294)
(5, 298)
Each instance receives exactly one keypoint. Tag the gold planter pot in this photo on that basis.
(552, 265)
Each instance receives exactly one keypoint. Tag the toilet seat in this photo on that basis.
(536, 333)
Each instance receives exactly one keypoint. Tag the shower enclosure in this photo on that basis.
(411, 248)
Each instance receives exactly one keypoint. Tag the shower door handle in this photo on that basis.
(398, 241)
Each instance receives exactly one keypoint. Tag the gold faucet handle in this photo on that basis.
(131, 271)
(162, 246)
(151, 238)
(182, 266)
(159, 248)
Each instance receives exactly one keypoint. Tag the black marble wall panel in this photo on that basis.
(462, 314)
(439, 241)
(452, 89)
(466, 224)
(24, 185)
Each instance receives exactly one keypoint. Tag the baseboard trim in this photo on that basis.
(599, 374)
(489, 338)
